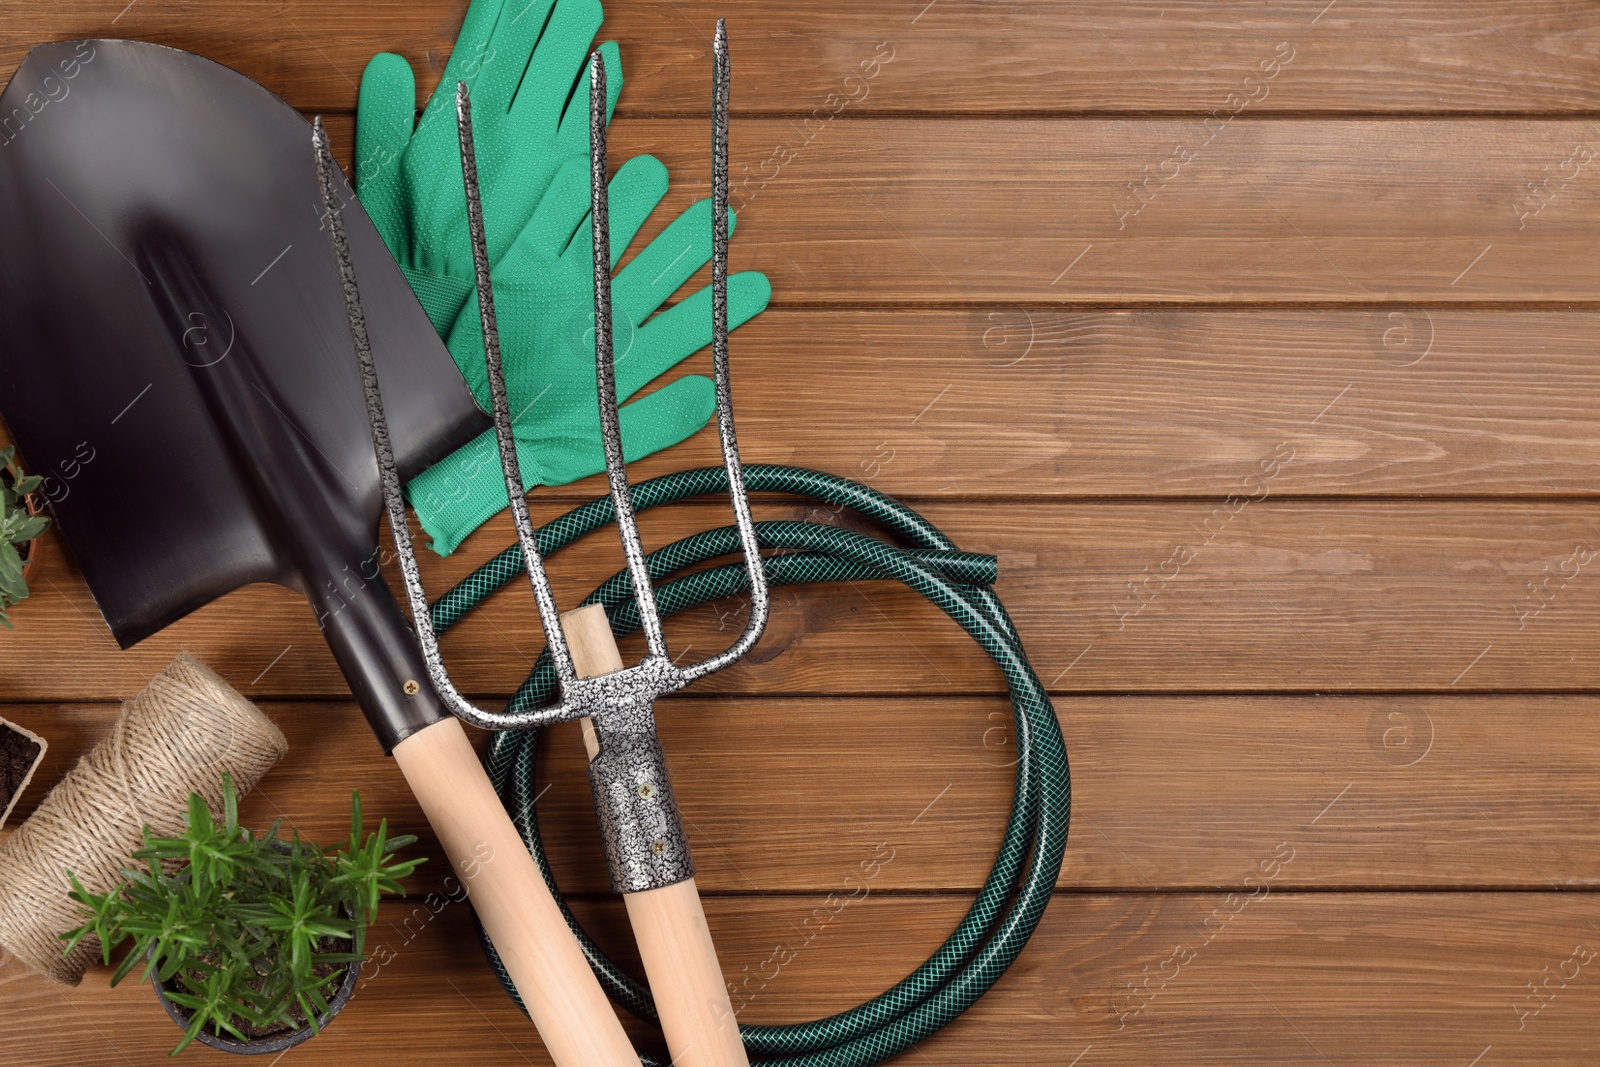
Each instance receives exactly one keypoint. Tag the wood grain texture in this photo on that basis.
(1023, 402)
(1358, 978)
(1062, 212)
(952, 56)
(1354, 211)
(1068, 212)
(1249, 593)
(1040, 403)
(1177, 792)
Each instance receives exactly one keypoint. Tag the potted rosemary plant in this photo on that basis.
(254, 943)
(20, 527)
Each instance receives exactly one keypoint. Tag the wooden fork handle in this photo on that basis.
(669, 923)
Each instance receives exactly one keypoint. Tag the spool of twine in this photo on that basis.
(177, 736)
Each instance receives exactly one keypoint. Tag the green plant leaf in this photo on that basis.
(104, 914)
(129, 962)
(199, 817)
(31, 527)
(337, 957)
(12, 586)
(397, 843)
(310, 1012)
(355, 819)
(196, 1023)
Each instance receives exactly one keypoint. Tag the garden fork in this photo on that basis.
(646, 848)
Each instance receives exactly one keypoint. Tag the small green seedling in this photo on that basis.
(247, 931)
(18, 526)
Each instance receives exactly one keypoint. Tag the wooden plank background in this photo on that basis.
(1063, 275)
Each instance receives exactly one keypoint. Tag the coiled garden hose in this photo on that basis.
(1014, 896)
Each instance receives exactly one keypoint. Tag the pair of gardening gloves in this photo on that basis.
(526, 63)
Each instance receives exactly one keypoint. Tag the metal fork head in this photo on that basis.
(657, 668)
(633, 687)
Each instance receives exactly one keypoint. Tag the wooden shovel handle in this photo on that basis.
(561, 993)
(669, 924)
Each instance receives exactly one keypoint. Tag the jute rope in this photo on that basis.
(177, 736)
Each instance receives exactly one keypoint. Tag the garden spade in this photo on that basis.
(169, 309)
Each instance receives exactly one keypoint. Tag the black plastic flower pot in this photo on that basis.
(277, 1042)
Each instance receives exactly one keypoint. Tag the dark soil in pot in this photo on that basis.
(20, 752)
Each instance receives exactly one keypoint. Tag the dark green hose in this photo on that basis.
(1014, 896)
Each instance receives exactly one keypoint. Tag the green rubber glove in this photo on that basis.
(521, 59)
(544, 301)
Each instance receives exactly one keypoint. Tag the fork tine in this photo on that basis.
(377, 421)
(549, 616)
(739, 497)
(389, 478)
(605, 369)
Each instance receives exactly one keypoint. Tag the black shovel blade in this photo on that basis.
(174, 351)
